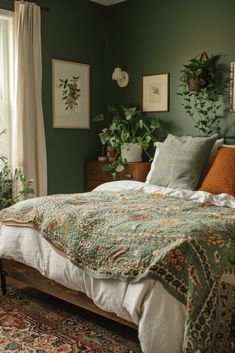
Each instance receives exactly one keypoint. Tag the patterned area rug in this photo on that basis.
(29, 325)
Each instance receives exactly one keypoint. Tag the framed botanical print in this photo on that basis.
(70, 94)
(155, 93)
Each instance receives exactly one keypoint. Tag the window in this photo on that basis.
(6, 80)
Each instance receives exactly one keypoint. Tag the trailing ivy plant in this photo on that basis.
(202, 93)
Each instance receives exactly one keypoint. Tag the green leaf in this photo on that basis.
(113, 126)
(140, 124)
(99, 117)
(103, 137)
(125, 136)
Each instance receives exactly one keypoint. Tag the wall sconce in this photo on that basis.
(120, 76)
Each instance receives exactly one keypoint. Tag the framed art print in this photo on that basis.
(70, 94)
(155, 93)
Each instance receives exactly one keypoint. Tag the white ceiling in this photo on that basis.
(107, 2)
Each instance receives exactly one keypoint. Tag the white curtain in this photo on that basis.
(29, 147)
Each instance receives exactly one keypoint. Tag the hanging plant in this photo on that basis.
(202, 93)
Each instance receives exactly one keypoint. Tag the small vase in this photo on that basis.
(111, 153)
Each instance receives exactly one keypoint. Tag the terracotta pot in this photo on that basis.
(111, 153)
(192, 84)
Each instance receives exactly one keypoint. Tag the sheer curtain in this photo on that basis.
(29, 145)
(6, 81)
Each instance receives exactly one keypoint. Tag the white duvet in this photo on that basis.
(159, 316)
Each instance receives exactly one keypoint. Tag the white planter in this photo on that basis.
(132, 152)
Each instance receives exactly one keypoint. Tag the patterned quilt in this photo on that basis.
(130, 235)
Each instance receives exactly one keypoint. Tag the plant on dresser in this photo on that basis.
(132, 171)
(128, 133)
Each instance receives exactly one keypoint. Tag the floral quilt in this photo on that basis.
(130, 235)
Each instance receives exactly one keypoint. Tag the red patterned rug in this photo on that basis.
(30, 325)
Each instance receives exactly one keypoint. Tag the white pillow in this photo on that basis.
(153, 164)
(217, 145)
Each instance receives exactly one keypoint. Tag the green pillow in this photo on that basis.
(181, 160)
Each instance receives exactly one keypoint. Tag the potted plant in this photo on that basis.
(13, 183)
(202, 93)
(128, 133)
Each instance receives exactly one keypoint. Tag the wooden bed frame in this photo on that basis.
(29, 277)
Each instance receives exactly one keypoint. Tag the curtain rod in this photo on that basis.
(46, 9)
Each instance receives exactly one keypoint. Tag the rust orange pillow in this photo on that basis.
(221, 175)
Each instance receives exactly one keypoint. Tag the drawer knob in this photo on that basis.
(93, 172)
(128, 175)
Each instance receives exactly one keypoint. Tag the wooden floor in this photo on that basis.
(127, 332)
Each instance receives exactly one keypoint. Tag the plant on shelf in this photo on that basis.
(13, 183)
(202, 92)
(127, 129)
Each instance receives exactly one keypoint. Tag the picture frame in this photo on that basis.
(155, 94)
(70, 94)
(232, 86)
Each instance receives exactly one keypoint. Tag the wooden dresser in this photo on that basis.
(132, 171)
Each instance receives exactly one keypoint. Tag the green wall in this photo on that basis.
(144, 37)
(74, 31)
(155, 36)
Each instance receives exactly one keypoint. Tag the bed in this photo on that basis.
(181, 297)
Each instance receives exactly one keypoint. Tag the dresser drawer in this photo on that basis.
(132, 171)
(93, 171)
(92, 184)
(135, 171)
(129, 173)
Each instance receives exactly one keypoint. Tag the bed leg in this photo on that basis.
(3, 279)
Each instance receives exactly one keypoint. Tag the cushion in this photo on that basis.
(180, 161)
(218, 143)
(221, 176)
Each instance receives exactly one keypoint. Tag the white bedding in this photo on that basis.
(159, 316)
